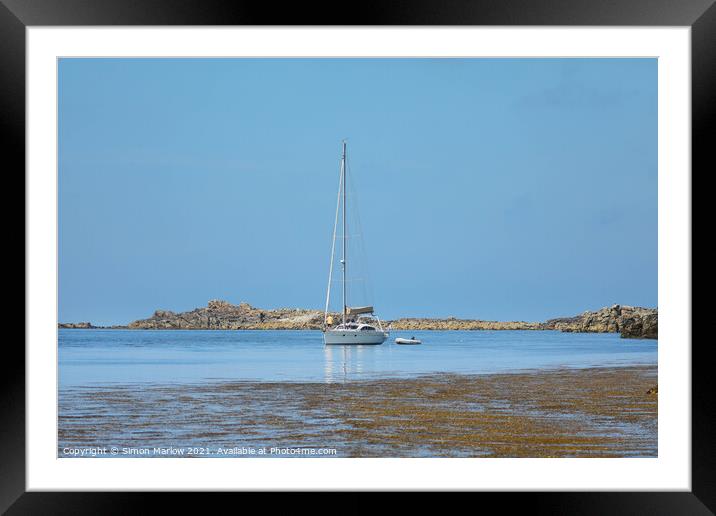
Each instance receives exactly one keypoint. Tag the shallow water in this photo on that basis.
(102, 357)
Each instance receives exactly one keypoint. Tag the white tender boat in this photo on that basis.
(408, 342)
(357, 325)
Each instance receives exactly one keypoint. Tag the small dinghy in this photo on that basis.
(410, 341)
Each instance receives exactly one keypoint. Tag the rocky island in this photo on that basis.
(629, 321)
(222, 315)
(78, 325)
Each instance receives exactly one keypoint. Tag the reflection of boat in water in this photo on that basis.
(408, 342)
(357, 325)
(345, 362)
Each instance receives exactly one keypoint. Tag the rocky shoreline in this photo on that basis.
(629, 321)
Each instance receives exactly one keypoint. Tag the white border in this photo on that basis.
(670, 471)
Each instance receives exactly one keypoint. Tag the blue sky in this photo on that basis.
(488, 188)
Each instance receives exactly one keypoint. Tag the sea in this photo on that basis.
(193, 393)
(114, 357)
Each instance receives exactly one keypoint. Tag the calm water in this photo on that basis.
(91, 357)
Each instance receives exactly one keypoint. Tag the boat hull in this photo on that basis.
(351, 338)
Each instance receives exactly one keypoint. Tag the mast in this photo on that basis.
(343, 259)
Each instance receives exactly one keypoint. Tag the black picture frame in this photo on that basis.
(16, 15)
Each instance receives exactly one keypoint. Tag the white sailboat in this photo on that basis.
(357, 325)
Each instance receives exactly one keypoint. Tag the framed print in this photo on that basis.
(426, 248)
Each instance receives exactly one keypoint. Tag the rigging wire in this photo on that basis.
(333, 250)
(363, 265)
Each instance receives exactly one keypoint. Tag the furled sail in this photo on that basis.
(359, 310)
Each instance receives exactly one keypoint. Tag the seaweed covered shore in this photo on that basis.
(596, 412)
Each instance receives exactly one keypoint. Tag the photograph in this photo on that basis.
(357, 257)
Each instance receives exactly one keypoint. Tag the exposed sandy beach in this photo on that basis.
(598, 412)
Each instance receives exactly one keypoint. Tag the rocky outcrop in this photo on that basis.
(77, 325)
(462, 324)
(630, 321)
(222, 315)
(640, 325)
